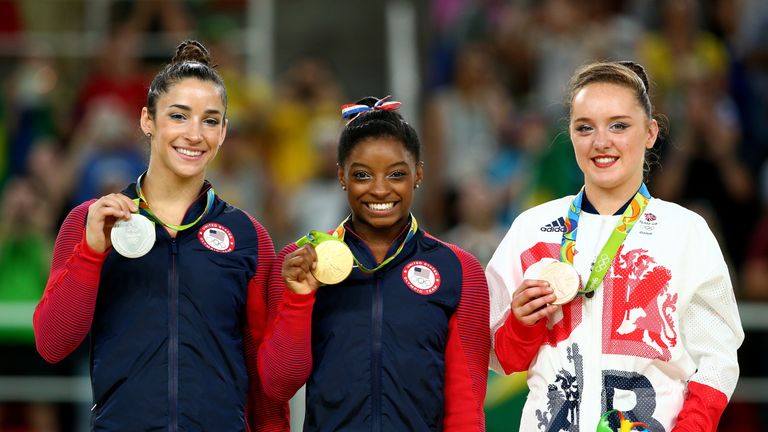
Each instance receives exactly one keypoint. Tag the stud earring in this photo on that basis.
(417, 186)
(343, 187)
(149, 135)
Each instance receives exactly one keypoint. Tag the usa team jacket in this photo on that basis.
(403, 349)
(657, 341)
(174, 335)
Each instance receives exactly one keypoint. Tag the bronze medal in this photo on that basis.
(563, 279)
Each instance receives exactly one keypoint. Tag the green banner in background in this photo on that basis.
(504, 401)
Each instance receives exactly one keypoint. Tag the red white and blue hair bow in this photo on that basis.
(353, 110)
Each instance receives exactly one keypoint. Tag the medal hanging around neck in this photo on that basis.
(334, 258)
(610, 249)
(135, 237)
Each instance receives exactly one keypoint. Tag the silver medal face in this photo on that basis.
(133, 238)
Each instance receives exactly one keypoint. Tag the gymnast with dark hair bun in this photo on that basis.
(166, 279)
(618, 305)
(394, 334)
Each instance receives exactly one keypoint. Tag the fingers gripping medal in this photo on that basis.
(563, 279)
(334, 259)
(133, 238)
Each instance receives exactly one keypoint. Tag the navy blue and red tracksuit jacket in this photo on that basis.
(403, 349)
(174, 335)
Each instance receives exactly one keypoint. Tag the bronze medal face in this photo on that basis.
(133, 238)
(334, 262)
(563, 279)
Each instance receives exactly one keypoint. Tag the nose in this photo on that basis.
(601, 139)
(380, 186)
(193, 132)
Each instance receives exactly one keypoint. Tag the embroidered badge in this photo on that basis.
(421, 277)
(216, 237)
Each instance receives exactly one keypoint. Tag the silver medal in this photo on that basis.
(133, 238)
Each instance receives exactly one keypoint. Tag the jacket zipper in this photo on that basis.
(376, 318)
(173, 340)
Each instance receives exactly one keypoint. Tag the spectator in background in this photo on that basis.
(754, 276)
(478, 230)
(241, 173)
(30, 113)
(307, 97)
(317, 201)
(118, 76)
(26, 240)
(104, 152)
(463, 129)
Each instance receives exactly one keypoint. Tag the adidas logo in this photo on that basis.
(554, 226)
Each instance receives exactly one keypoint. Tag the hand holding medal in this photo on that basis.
(562, 277)
(104, 215)
(329, 262)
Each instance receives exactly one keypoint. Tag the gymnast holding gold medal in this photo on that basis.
(395, 333)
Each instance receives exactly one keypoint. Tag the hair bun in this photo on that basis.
(368, 100)
(639, 70)
(191, 50)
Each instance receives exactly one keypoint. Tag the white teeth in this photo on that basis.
(189, 152)
(380, 206)
(604, 160)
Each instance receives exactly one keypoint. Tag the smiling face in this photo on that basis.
(380, 176)
(187, 129)
(610, 133)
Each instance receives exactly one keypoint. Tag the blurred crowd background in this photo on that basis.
(482, 80)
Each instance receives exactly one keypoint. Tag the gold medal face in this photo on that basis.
(334, 262)
(563, 279)
(133, 238)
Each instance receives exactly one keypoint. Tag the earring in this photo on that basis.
(417, 186)
(149, 135)
(344, 187)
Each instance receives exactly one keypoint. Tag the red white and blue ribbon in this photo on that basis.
(353, 110)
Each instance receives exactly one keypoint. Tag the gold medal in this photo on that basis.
(563, 279)
(334, 262)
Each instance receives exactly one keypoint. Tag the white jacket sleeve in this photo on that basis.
(711, 326)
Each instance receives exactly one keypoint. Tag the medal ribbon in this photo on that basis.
(608, 253)
(624, 425)
(142, 204)
(316, 237)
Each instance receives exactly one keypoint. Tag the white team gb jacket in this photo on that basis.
(664, 315)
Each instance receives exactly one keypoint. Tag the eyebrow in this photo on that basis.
(583, 119)
(356, 164)
(187, 108)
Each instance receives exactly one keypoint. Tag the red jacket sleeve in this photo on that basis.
(516, 344)
(701, 410)
(64, 315)
(263, 413)
(285, 356)
(466, 357)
